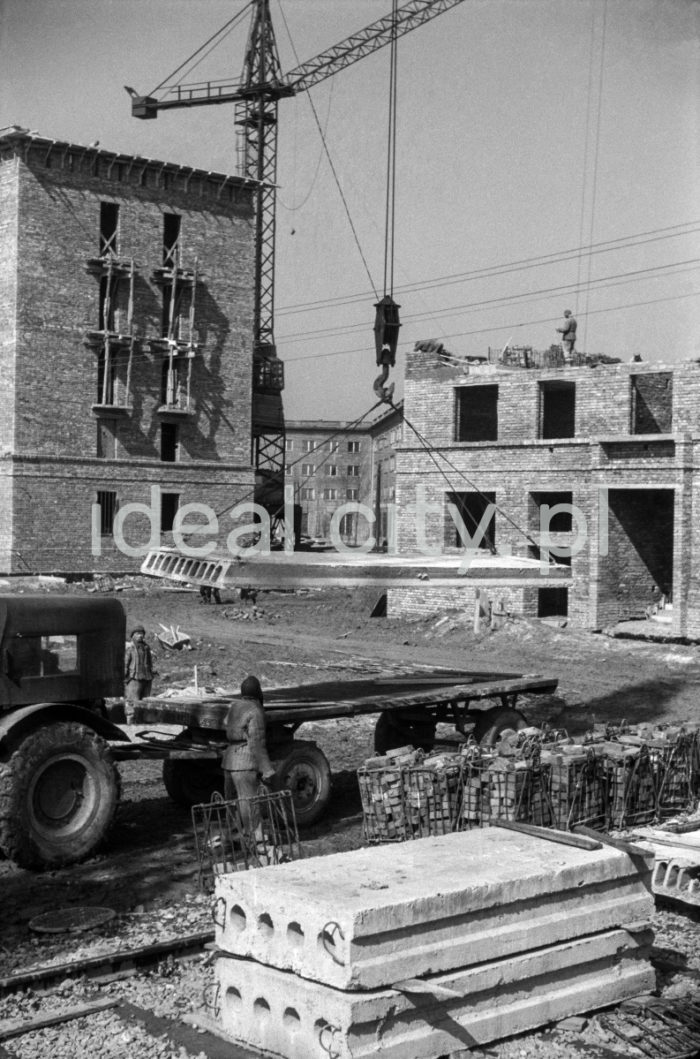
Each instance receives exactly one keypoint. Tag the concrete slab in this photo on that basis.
(368, 918)
(278, 1013)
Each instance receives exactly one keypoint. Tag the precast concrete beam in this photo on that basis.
(282, 1014)
(370, 917)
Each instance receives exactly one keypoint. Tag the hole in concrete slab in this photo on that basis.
(291, 1020)
(233, 999)
(295, 935)
(261, 1009)
(265, 926)
(237, 918)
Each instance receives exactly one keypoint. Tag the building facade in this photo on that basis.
(126, 308)
(592, 464)
(333, 465)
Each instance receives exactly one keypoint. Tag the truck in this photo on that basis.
(61, 690)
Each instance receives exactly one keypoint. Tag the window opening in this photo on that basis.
(553, 602)
(307, 469)
(471, 507)
(107, 439)
(106, 376)
(354, 470)
(172, 223)
(560, 521)
(353, 446)
(652, 399)
(557, 409)
(169, 504)
(109, 228)
(170, 386)
(476, 413)
(169, 442)
(108, 505)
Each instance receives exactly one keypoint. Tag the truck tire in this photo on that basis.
(491, 724)
(304, 770)
(192, 782)
(58, 796)
(392, 731)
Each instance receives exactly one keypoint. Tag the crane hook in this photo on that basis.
(386, 337)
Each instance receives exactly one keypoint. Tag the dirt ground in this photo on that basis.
(290, 638)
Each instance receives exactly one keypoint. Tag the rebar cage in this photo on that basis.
(224, 843)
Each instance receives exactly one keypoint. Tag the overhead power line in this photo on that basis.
(539, 261)
(508, 299)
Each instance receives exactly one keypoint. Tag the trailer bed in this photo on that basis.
(352, 698)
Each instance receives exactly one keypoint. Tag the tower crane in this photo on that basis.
(256, 95)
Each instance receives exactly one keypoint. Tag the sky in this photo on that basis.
(547, 158)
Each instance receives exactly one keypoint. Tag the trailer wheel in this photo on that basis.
(58, 796)
(304, 770)
(491, 724)
(192, 782)
(392, 730)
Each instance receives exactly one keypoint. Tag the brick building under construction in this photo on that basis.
(614, 443)
(126, 311)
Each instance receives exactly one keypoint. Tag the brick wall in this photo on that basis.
(53, 197)
(646, 544)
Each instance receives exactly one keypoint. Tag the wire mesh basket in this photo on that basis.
(400, 802)
(224, 843)
(576, 788)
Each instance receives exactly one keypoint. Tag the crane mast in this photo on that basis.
(256, 95)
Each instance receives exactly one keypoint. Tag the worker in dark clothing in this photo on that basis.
(245, 759)
(138, 671)
(568, 334)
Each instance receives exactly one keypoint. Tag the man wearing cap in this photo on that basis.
(568, 334)
(245, 759)
(138, 670)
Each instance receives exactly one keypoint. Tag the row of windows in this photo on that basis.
(331, 471)
(308, 445)
(476, 408)
(109, 234)
(309, 493)
(108, 503)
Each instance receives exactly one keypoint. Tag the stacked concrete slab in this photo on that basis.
(424, 948)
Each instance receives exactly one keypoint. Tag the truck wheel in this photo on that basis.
(58, 796)
(192, 782)
(392, 731)
(491, 724)
(304, 770)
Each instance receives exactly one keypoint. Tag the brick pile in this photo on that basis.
(617, 777)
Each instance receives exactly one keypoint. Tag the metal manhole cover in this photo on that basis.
(70, 920)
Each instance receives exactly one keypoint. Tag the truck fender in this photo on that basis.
(19, 723)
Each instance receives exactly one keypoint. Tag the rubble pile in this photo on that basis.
(618, 776)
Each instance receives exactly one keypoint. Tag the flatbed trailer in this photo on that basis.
(408, 705)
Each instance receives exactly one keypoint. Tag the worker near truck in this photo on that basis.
(138, 671)
(568, 334)
(245, 760)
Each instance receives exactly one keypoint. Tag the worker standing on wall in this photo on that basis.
(245, 759)
(568, 334)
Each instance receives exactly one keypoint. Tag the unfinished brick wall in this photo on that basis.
(50, 197)
(645, 546)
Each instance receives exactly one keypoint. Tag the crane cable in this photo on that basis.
(390, 209)
(386, 321)
(330, 160)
